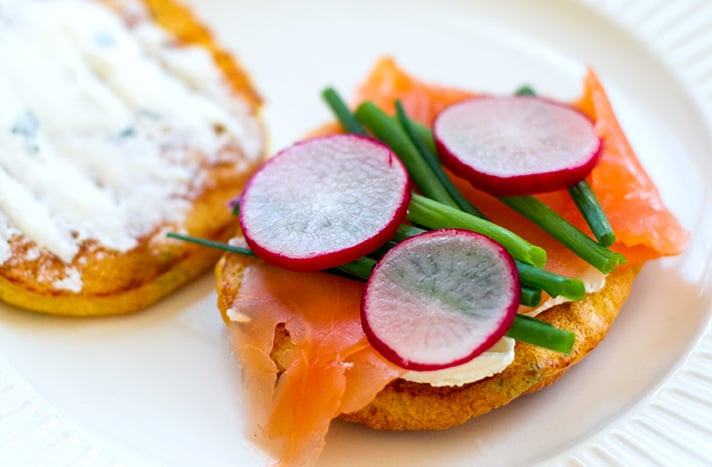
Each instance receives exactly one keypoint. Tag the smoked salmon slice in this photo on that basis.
(645, 229)
(329, 367)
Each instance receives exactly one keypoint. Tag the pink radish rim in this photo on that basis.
(517, 185)
(505, 324)
(319, 262)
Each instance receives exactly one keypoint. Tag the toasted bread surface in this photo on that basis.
(405, 405)
(116, 282)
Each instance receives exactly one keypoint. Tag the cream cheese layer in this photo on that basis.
(106, 125)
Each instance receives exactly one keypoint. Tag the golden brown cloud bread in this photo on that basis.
(116, 282)
(406, 405)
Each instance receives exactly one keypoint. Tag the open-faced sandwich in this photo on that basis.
(120, 120)
(375, 285)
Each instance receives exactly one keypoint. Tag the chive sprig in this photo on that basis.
(433, 215)
(525, 90)
(530, 296)
(432, 160)
(212, 244)
(342, 112)
(593, 213)
(385, 129)
(562, 230)
(553, 284)
(540, 333)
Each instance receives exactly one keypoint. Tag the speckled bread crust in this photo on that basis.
(403, 405)
(113, 282)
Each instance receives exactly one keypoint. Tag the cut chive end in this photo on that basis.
(530, 297)
(573, 289)
(236, 208)
(525, 90)
(607, 239)
(591, 210)
(346, 118)
(537, 256)
(542, 334)
(551, 283)
(574, 239)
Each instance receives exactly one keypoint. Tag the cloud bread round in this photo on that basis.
(405, 405)
(114, 281)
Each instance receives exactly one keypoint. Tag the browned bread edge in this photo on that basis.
(115, 283)
(404, 405)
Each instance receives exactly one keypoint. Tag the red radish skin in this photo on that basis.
(324, 202)
(420, 309)
(518, 145)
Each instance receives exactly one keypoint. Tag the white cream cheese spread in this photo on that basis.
(593, 281)
(489, 363)
(104, 126)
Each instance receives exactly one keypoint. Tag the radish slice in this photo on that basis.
(512, 146)
(324, 202)
(439, 299)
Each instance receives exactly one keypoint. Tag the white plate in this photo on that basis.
(161, 387)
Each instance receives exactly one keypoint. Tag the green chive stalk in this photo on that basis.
(423, 132)
(361, 268)
(553, 284)
(525, 90)
(431, 159)
(342, 112)
(530, 296)
(542, 334)
(434, 215)
(593, 213)
(386, 130)
(349, 122)
(212, 244)
(406, 231)
(596, 255)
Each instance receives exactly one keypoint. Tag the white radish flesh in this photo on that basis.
(516, 145)
(439, 299)
(324, 202)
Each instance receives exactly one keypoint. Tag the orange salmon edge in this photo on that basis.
(301, 414)
(344, 367)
